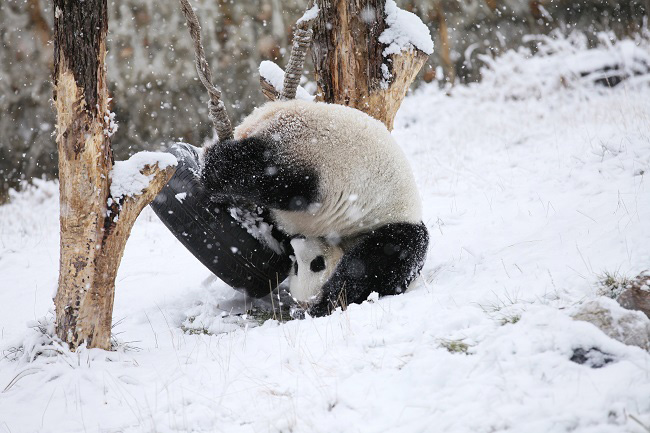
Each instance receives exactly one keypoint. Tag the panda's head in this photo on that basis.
(314, 262)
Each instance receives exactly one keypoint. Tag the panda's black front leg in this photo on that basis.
(385, 261)
(256, 170)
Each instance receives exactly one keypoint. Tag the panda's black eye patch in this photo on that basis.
(318, 264)
(295, 268)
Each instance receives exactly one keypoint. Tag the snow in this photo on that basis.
(257, 227)
(528, 199)
(309, 15)
(111, 124)
(386, 76)
(404, 31)
(181, 196)
(274, 74)
(126, 177)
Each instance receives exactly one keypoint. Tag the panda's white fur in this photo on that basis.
(305, 282)
(364, 178)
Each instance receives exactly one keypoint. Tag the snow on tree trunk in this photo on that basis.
(366, 53)
(93, 235)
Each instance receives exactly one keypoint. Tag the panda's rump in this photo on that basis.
(364, 178)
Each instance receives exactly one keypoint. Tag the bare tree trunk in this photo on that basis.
(92, 242)
(41, 28)
(445, 54)
(348, 59)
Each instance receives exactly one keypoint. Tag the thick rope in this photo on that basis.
(301, 41)
(293, 72)
(218, 113)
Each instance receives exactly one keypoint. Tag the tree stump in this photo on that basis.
(349, 60)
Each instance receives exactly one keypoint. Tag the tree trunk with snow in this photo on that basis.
(350, 63)
(93, 235)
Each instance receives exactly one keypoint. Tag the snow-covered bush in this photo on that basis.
(558, 63)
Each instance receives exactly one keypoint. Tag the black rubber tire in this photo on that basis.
(212, 235)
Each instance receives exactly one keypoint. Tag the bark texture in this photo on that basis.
(268, 90)
(348, 59)
(91, 243)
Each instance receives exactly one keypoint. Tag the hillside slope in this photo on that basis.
(530, 197)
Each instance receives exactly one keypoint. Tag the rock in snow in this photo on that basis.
(628, 327)
(636, 296)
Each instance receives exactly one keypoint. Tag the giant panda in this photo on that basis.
(333, 173)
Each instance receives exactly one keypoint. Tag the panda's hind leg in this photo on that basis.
(385, 261)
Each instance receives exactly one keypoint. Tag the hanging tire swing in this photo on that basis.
(239, 249)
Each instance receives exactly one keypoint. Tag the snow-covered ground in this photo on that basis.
(530, 196)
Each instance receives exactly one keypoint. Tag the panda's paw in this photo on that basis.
(329, 302)
(297, 313)
(318, 310)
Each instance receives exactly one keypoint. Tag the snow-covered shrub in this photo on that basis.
(559, 62)
(39, 341)
(612, 284)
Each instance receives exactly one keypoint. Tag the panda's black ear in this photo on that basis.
(318, 264)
